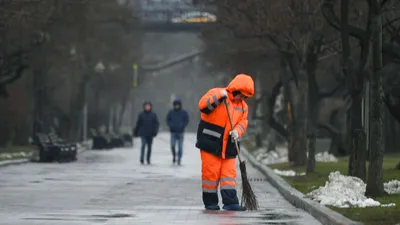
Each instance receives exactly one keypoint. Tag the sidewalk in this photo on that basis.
(111, 187)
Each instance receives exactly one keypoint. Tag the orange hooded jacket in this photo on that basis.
(214, 127)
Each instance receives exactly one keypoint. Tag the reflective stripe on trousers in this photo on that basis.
(225, 183)
(217, 171)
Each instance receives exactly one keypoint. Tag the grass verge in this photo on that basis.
(368, 216)
(16, 152)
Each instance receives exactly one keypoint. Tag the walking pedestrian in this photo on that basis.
(215, 139)
(146, 128)
(177, 120)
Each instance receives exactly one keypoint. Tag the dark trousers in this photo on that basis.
(177, 138)
(146, 141)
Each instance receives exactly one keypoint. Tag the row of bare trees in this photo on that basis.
(327, 56)
(55, 57)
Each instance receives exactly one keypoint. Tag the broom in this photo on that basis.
(248, 197)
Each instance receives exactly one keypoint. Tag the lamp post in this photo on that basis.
(135, 75)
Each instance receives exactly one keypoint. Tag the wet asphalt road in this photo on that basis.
(111, 187)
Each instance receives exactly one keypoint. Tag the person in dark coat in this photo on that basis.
(177, 120)
(146, 128)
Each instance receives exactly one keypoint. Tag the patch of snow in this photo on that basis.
(280, 155)
(271, 157)
(343, 192)
(325, 157)
(388, 205)
(392, 187)
(288, 173)
(15, 154)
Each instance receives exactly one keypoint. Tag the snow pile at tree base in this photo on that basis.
(272, 157)
(288, 173)
(392, 187)
(325, 157)
(343, 192)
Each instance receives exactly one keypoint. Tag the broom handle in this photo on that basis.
(230, 121)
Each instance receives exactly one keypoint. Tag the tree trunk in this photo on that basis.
(299, 147)
(311, 141)
(312, 100)
(334, 146)
(311, 123)
(258, 140)
(97, 109)
(355, 83)
(114, 119)
(124, 103)
(375, 179)
(300, 136)
(75, 128)
(22, 133)
(77, 103)
(5, 133)
(38, 88)
(392, 129)
(290, 129)
(358, 151)
(265, 126)
(287, 101)
(271, 140)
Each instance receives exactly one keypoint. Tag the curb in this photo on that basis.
(14, 162)
(26, 160)
(323, 214)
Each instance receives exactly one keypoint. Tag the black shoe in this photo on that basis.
(141, 162)
(234, 207)
(173, 161)
(179, 162)
(212, 207)
(148, 162)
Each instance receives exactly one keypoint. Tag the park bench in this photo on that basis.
(53, 148)
(110, 140)
(100, 141)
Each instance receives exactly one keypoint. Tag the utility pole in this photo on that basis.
(135, 75)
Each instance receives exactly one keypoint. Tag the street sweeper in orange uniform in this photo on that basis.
(216, 140)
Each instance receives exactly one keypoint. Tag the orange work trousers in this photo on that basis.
(214, 171)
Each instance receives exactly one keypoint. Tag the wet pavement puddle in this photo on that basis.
(239, 218)
(70, 217)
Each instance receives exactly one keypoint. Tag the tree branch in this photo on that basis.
(329, 14)
(388, 23)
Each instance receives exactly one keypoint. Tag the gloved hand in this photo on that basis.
(234, 134)
(224, 93)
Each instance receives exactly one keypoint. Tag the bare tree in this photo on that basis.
(62, 42)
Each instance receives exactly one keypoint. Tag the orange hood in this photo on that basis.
(243, 83)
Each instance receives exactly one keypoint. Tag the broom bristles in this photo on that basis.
(248, 197)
